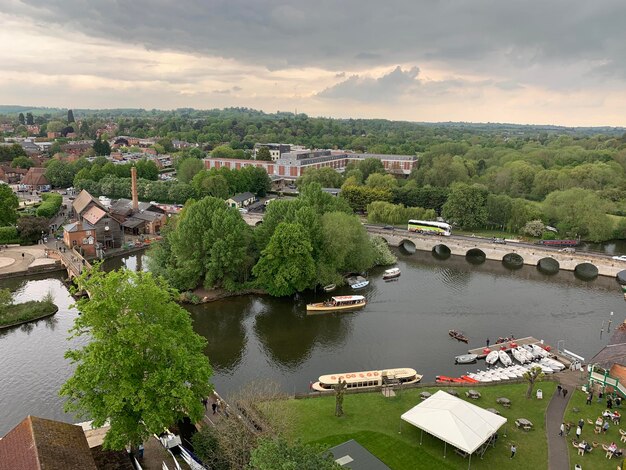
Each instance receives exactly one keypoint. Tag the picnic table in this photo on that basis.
(503, 401)
(493, 410)
(425, 395)
(452, 392)
(472, 394)
(524, 424)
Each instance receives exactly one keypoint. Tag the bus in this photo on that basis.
(430, 227)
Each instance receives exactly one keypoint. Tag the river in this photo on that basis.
(404, 324)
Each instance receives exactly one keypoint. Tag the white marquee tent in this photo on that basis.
(454, 421)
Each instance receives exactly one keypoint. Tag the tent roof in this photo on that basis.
(455, 421)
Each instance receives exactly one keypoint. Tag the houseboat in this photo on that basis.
(392, 273)
(338, 302)
(368, 379)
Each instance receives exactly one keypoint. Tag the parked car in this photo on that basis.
(568, 250)
(388, 227)
(243, 211)
(500, 241)
(620, 258)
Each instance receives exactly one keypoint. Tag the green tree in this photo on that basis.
(533, 375)
(60, 173)
(466, 205)
(286, 265)
(534, 228)
(20, 118)
(147, 169)
(380, 181)
(22, 162)
(29, 119)
(264, 154)
(30, 228)
(278, 454)
(325, 176)
(8, 205)
(189, 168)
(101, 147)
(359, 197)
(143, 368)
(206, 184)
(70, 116)
(54, 148)
(55, 126)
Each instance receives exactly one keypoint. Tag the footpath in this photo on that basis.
(558, 457)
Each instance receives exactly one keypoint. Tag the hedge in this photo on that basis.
(50, 206)
(8, 235)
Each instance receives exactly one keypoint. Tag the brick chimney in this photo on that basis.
(133, 188)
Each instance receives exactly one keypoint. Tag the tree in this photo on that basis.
(143, 368)
(325, 176)
(264, 154)
(340, 388)
(206, 184)
(466, 205)
(278, 454)
(29, 119)
(55, 126)
(20, 118)
(146, 169)
(380, 181)
(70, 116)
(359, 197)
(189, 168)
(8, 205)
(286, 265)
(102, 148)
(30, 228)
(534, 374)
(534, 228)
(22, 162)
(60, 173)
(9, 152)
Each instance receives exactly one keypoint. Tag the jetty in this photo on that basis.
(506, 346)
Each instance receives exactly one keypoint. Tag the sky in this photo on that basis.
(538, 62)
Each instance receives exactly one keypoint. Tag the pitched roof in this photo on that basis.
(35, 176)
(38, 444)
(94, 214)
(242, 197)
(83, 200)
(78, 227)
(615, 351)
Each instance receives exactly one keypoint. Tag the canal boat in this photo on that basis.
(392, 273)
(368, 379)
(330, 287)
(466, 359)
(338, 302)
(458, 336)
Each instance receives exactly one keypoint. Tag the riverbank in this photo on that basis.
(33, 310)
(211, 295)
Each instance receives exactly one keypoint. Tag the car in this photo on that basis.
(620, 258)
(243, 211)
(389, 227)
(500, 241)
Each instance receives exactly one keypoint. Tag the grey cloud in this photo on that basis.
(388, 87)
(335, 35)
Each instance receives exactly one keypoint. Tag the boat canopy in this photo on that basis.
(348, 298)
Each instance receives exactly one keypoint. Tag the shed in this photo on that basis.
(241, 200)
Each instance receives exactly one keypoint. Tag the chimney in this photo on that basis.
(133, 188)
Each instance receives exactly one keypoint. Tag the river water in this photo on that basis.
(404, 324)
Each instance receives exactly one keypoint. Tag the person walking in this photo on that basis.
(578, 432)
(205, 402)
(558, 389)
(581, 423)
(609, 403)
(589, 398)
(487, 342)
(562, 430)
(513, 450)
(564, 392)
(214, 407)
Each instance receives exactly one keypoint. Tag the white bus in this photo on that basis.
(430, 227)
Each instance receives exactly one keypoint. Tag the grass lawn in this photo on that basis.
(26, 311)
(596, 458)
(374, 421)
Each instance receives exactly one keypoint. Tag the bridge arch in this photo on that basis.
(258, 223)
(548, 265)
(513, 261)
(441, 251)
(586, 271)
(408, 246)
(475, 256)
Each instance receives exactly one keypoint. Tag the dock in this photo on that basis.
(519, 342)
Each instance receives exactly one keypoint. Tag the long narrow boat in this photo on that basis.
(338, 302)
(458, 336)
(368, 379)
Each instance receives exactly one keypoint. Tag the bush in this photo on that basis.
(50, 206)
(548, 235)
(383, 255)
(8, 235)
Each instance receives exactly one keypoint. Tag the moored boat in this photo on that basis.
(357, 282)
(368, 379)
(330, 287)
(505, 359)
(392, 273)
(458, 336)
(465, 359)
(492, 357)
(338, 302)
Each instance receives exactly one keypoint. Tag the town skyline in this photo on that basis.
(419, 62)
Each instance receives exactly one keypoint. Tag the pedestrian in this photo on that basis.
(214, 407)
(487, 342)
(218, 405)
(558, 389)
(140, 451)
(513, 450)
(618, 402)
(605, 427)
(568, 428)
(205, 402)
(609, 403)
(600, 395)
(589, 398)
(578, 432)
(562, 430)
(581, 423)
(564, 392)
(22, 255)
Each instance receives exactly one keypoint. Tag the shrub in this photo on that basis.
(50, 206)
(8, 235)
(548, 235)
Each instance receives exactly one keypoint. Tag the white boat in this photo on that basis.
(505, 359)
(391, 274)
(367, 379)
(506, 372)
(554, 363)
(465, 359)
(339, 302)
(330, 287)
(358, 282)
(539, 350)
(534, 354)
(492, 358)
(519, 355)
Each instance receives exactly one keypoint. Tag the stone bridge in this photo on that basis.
(515, 254)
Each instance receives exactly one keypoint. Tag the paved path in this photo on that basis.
(558, 457)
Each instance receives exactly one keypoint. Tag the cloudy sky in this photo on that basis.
(546, 62)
